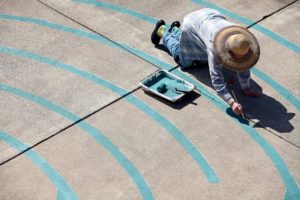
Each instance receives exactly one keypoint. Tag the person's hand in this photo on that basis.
(237, 108)
(251, 93)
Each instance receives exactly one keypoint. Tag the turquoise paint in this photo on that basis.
(275, 85)
(163, 65)
(59, 196)
(65, 67)
(167, 85)
(119, 9)
(93, 132)
(290, 45)
(59, 182)
(58, 27)
(279, 88)
(177, 134)
(293, 191)
(278, 162)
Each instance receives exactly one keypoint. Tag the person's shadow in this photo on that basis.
(268, 111)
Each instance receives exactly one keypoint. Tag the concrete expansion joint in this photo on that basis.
(70, 125)
(93, 31)
(273, 133)
(133, 53)
(269, 15)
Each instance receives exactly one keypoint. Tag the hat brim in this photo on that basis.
(228, 59)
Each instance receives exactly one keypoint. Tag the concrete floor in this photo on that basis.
(63, 91)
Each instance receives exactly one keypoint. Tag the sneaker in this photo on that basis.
(176, 23)
(154, 37)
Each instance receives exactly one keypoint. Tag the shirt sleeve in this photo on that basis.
(217, 78)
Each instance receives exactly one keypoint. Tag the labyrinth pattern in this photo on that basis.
(76, 125)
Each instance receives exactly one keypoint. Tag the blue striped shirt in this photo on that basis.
(196, 44)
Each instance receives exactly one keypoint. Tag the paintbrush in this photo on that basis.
(238, 103)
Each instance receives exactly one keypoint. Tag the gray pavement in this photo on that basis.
(54, 72)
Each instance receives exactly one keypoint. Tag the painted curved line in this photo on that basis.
(284, 42)
(280, 165)
(91, 131)
(272, 83)
(62, 186)
(109, 6)
(186, 144)
(279, 88)
(292, 189)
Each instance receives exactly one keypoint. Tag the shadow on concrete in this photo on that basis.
(188, 99)
(268, 111)
(162, 48)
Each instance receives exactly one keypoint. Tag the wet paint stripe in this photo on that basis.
(119, 9)
(292, 189)
(272, 83)
(290, 45)
(186, 144)
(91, 131)
(279, 88)
(58, 27)
(202, 89)
(289, 181)
(62, 186)
(151, 59)
(269, 150)
(59, 196)
(275, 85)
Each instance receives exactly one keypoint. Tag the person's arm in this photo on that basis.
(217, 78)
(218, 82)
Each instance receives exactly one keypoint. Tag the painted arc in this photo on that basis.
(292, 189)
(285, 93)
(63, 188)
(284, 42)
(166, 66)
(91, 131)
(186, 144)
(272, 83)
(109, 6)
(281, 168)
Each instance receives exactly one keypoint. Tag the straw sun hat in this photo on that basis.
(237, 48)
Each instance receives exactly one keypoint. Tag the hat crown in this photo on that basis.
(238, 44)
(236, 48)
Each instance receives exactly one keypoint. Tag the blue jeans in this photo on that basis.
(171, 41)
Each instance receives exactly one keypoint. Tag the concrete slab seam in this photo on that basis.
(101, 139)
(290, 45)
(290, 183)
(186, 144)
(292, 189)
(269, 15)
(282, 169)
(62, 186)
(164, 65)
(274, 84)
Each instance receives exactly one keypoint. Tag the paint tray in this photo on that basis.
(166, 85)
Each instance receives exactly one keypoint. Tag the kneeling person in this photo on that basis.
(207, 37)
